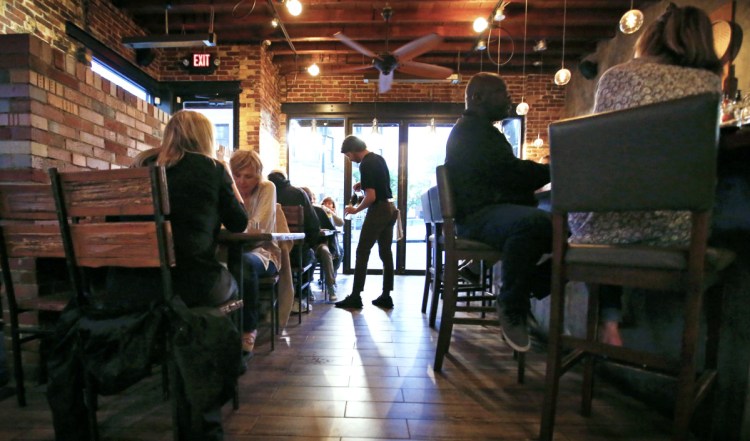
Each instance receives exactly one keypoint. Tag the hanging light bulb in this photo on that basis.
(480, 24)
(631, 21)
(375, 128)
(500, 11)
(313, 127)
(433, 129)
(538, 142)
(562, 76)
(313, 70)
(275, 22)
(481, 45)
(294, 7)
(522, 108)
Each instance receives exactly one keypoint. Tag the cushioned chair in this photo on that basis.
(459, 249)
(21, 236)
(302, 273)
(117, 218)
(656, 157)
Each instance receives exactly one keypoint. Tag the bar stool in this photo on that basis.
(458, 249)
(656, 157)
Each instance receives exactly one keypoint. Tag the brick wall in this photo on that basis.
(57, 113)
(546, 100)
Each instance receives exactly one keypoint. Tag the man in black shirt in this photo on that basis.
(495, 204)
(378, 224)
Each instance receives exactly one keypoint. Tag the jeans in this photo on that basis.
(252, 271)
(523, 234)
(377, 227)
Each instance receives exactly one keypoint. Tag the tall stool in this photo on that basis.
(656, 157)
(458, 249)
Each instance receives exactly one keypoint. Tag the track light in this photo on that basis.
(294, 7)
(480, 24)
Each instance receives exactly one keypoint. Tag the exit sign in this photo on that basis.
(200, 63)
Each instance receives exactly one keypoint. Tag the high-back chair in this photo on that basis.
(302, 273)
(459, 249)
(429, 236)
(28, 229)
(655, 157)
(117, 218)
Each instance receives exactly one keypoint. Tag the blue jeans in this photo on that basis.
(523, 234)
(252, 271)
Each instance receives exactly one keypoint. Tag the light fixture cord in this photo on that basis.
(523, 67)
(565, 15)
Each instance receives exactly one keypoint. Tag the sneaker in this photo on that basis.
(248, 341)
(514, 327)
(296, 307)
(352, 301)
(384, 301)
(331, 292)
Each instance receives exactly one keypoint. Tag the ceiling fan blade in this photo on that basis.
(424, 69)
(417, 47)
(354, 45)
(384, 82)
(344, 69)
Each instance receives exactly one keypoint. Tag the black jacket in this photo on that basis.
(288, 196)
(483, 169)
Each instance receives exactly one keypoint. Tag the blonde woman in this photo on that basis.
(259, 197)
(202, 197)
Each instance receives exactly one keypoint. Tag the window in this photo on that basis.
(106, 72)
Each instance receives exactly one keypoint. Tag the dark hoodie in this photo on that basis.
(288, 195)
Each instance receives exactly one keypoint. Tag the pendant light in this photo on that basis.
(313, 70)
(562, 76)
(523, 107)
(631, 21)
(294, 7)
(538, 142)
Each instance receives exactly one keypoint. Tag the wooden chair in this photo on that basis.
(28, 229)
(86, 202)
(656, 157)
(301, 273)
(458, 249)
(429, 237)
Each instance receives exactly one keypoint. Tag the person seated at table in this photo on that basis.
(329, 205)
(288, 196)
(202, 197)
(326, 251)
(264, 260)
(674, 58)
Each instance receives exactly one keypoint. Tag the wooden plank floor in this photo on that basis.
(368, 375)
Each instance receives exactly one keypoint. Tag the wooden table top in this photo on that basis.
(228, 237)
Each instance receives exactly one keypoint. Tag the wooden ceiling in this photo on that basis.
(309, 36)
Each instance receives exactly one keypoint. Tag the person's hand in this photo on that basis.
(357, 187)
(326, 210)
(350, 210)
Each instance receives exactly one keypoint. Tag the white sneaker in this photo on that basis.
(331, 293)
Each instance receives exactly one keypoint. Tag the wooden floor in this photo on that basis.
(368, 376)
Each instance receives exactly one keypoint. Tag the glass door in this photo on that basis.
(220, 111)
(426, 150)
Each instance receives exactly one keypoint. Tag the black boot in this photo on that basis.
(352, 301)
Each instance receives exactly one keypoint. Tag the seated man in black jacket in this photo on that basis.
(288, 195)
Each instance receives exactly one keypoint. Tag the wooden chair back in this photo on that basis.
(28, 229)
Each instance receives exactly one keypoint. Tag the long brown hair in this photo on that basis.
(681, 36)
(186, 131)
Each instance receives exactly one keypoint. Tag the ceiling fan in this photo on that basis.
(400, 59)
